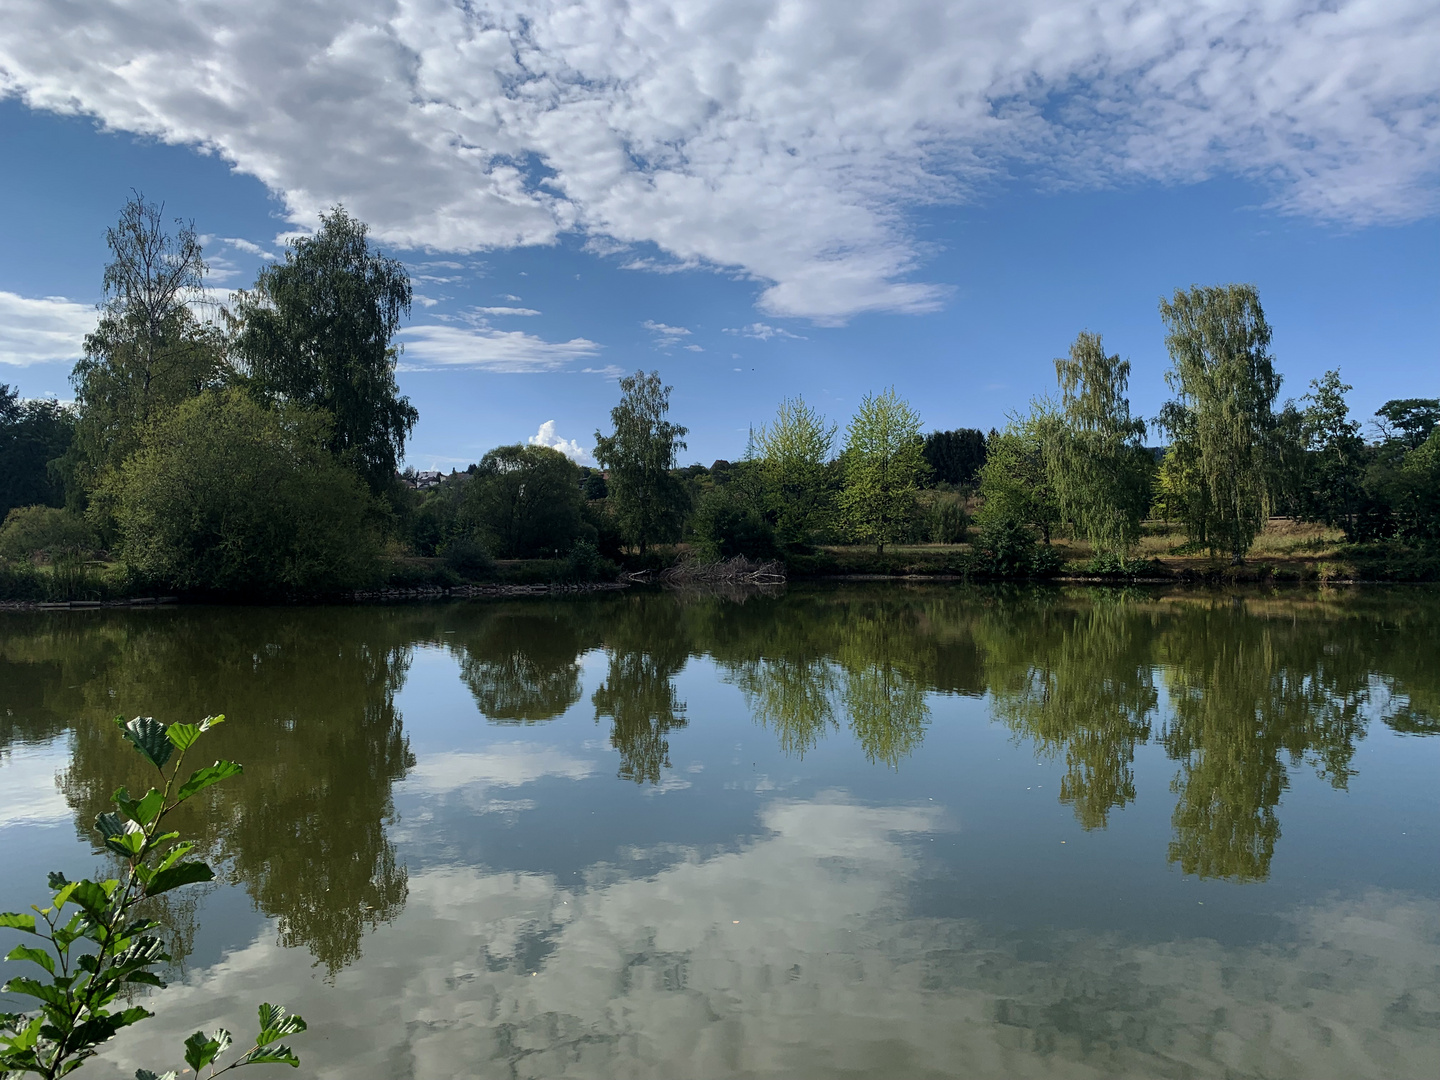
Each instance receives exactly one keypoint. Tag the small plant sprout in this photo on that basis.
(92, 946)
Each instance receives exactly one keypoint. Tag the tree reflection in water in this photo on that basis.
(1239, 693)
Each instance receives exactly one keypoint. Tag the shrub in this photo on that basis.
(467, 557)
(44, 531)
(227, 495)
(725, 526)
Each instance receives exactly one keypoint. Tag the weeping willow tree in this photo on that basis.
(1221, 423)
(1096, 464)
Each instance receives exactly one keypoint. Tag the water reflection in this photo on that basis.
(1239, 694)
(798, 955)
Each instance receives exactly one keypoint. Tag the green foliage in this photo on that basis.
(1330, 488)
(32, 435)
(1014, 481)
(44, 531)
(944, 520)
(647, 500)
(1095, 461)
(1408, 422)
(790, 457)
(586, 564)
(103, 949)
(1221, 421)
(955, 457)
(148, 352)
(883, 466)
(228, 495)
(525, 502)
(317, 330)
(727, 524)
(468, 558)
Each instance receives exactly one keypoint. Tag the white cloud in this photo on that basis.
(504, 765)
(38, 330)
(506, 311)
(786, 140)
(762, 332)
(610, 371)
(666, 337)
(805, 952)
(547, 436)
(482, 347)
(694, 348)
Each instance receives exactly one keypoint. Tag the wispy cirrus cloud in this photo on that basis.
(763, 332)
(484, 348)
(788, 142)
(666, 337)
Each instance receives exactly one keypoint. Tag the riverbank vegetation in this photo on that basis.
(252, 450)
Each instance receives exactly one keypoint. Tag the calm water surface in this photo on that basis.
(859, 831)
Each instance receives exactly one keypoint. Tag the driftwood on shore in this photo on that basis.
(736, 571)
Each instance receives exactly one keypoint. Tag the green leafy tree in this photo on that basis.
(1333, 472)
(225, 494)
(317, 331)
(1408, 422)
(94, 944)
(639, 454)
(791, 455)
(1221, 421)
(1015, 484)
(526, 502)
(33, 434)
(148, 352)
(1096, 462)
(883, 465)
(955, 457)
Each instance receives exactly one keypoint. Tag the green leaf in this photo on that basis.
(277, 1023)
(58, 880)
(143, 811)
(202, 1050)
(185, 873)
(38, 990)
(95, 899)
(124, 837)
(146, 1074)
(175, 854)
(279, 1055)
(63, 896)
(13, 920)
(200, 779)
(183, 736)
(35, 956)
(148, 735)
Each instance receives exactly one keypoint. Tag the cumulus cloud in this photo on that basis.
(784, 140)
(548, 436)
(38, 330)
(442, 345)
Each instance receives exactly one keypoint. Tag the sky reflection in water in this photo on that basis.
(865, 830)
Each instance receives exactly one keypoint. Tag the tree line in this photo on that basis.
(253, 448)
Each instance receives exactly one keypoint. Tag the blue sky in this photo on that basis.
(761, 199)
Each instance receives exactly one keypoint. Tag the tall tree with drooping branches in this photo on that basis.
(1097, 466)
(1221, 423)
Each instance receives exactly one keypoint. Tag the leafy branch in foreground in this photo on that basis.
(103, 948)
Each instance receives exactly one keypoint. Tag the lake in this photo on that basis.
(859, 830)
